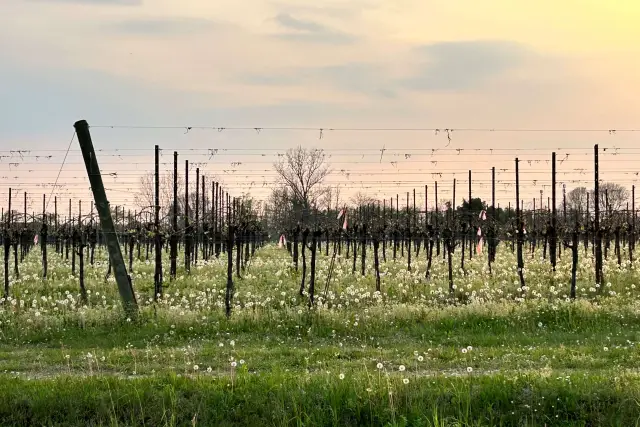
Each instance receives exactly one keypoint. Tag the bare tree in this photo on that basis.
(301, 172)
(361, 199)
(145, 196)
(278, 210)
(577, 199)
(614, 194)
(331, 198)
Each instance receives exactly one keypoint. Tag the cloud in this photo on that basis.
(440, 67)
(289, 21)
(46, 102)
(164, 26)
(333, 38)
(337, 10)
(468, 65)
(310, 31)
(361, 78)
(49, 100)
(95, 2)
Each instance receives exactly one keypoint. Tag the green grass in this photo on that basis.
(498, 360)
(283, 399)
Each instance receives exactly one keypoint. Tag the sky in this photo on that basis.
(359, 64)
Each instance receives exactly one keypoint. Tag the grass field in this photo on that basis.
(405, 356)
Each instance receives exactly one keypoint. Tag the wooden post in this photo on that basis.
(6, 237)
(553, 238)
(472, 235)
(520, 228)
(426, 205)
(174, 220)
(437, 221)
(102, 205)
(205, 241)
(55, 215)
(187, 230)
(72, 242)
(157, 292)
(43, 237)
(197, 232)
(596, 203)
(23, 235)
(491, 237)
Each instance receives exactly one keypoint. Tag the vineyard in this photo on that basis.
(210, 294)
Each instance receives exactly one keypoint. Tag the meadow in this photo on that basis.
(409, 355)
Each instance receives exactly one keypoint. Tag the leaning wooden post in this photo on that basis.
(102, 205)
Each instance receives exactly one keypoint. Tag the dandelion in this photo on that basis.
(341, 376)
(420, 358)
(606, 349)
(232, 343)
(401, 368)
(242, 361)
(469, 348)
(196, 367)
(464, 350)
(234, 364)
(209, 369)
(379, 365)
(405, 381)
(469, 369)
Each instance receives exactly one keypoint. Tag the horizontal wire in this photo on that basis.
(377, 154)
(363, 129)
(341, 172)
(405, 156)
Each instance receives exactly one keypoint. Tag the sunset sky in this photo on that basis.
(355, 64)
